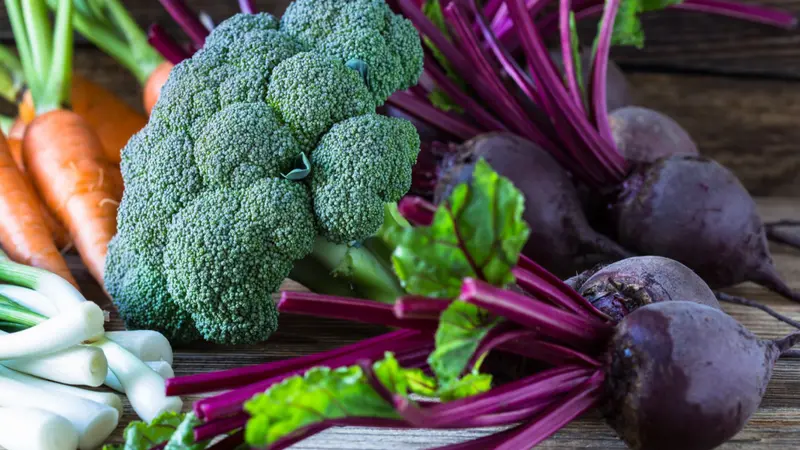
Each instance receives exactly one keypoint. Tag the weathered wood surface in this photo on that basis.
(776, 426)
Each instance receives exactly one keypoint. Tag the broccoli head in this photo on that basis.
(263, 147)
(360, 31)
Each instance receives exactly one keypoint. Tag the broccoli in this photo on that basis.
(264, 158)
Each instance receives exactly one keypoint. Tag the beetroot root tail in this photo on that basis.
(768, 277)
(736, 300)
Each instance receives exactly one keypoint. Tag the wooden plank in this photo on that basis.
(748, 125)
(775, 426)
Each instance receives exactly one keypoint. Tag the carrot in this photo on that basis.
(110, 27)
(113, 119)
(63, 155)
(23, 233)
(71, 172)
(156, 80)
(17, 129)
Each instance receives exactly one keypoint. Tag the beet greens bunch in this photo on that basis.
(625, 188)
(471, 293)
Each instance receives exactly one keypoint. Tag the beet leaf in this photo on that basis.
(478, 232)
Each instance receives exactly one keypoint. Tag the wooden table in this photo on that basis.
(733, 86)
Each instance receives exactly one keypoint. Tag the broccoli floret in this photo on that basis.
(302, 84)
(360, 30)
(221, 202)
(229, 250)
(348, 204)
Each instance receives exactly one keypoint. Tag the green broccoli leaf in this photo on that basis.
(172, 428)
(462, 327)
(299, 173)
(477, 232)
(323, 394)
(628, 26)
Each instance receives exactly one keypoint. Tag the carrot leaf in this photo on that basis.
(477, 232)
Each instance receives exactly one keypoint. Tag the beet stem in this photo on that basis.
(548, 278)
(352, 309)
(229, 403)
(736, 300)
(751, 13)
(187, 20)
(164, 44)
(580, 400)
(232, 378)
(547, 352)
(416, 210)
(213, 429)
(306, 432)
(564, 9)
(246, 6)
(432, 115)
(523, 393)
(414, 307)
(599, 73)
(549, 320)
(481, 443)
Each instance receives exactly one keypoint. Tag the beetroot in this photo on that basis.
(561, 239)
(684, 376)
(693, 210)
(627, 285)
(643, 135)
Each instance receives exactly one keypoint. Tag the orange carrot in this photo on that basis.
(154, 83)
(17, 129)
(70, 170)
(23, 233)
(113, 119)
(15, 147)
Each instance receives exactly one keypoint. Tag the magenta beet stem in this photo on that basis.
(352, 309)
(549, 279)
(507, 338)
(429, 30)
(599, 71)
(736, 10)
(164, 44)
(213, 429)
(230, 403)
(187, 19)
(417, 307)
(550, 321)
(580, 400)
(232, 378)
(482, 443)
(306, 432)
(422, 109)
(246, 6)
(416, 210)
(567, 52)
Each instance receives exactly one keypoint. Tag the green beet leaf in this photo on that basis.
(177, 430)
(462, 326)
(325, 394)
(472, 384)
(478, 232)
(628, 26)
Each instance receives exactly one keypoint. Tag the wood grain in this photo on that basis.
(775, 426)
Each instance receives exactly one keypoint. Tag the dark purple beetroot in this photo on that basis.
(561, 240)
(695, 211)
(618, 92)
(624, 286)
(643, 135)
(685, 376)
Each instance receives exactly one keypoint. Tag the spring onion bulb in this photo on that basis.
(104, 398)
(94, 422)
(80, 365)
(160, 367)
(145, 388)
(144, 344)
(58, 290)
(35, 429)
(71, 327)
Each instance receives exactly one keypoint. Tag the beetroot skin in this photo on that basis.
(695, 211)
(622, 287)
(561, 239)
(666, 394)
(643, 135)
